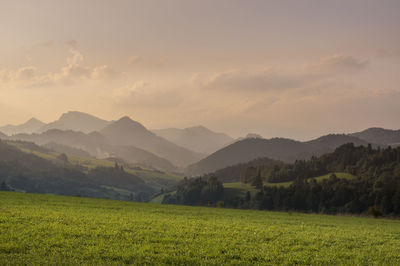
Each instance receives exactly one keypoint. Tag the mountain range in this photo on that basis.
(194, 150)
(282, 149)
(198, 138)
(31, 126)
(380, 135)
(76, 121)
(127, 132)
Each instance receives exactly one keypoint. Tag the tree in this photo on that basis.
(257, 181)
(248, 196)
(374, 211)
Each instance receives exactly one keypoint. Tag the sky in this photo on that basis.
(297, 69)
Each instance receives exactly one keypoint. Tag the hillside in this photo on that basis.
(285, 150)
(379, 135)
(96, 145)
(125, 132)
(30, 168)
(30, 126)
(199, 138)
(249, 149)
(352, 179)
(153, 177)
(332, 141)
(76, 121)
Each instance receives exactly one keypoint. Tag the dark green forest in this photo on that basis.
(375, 188)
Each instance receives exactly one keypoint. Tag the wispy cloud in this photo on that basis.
(280, 79)
(337, 63)
(74, 70)
(146, 95)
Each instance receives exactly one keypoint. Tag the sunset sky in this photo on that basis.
(295, 69)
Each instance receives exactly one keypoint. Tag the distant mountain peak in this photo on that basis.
(126, 121)
(30, 126)
(34, 120)
(77, 121)
(77, 115)
(379, 136)
(199, 128)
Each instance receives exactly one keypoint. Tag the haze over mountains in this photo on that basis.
(76, 121)
(196, 138)
(380, 135)
(31, 126)
(127, 132)
(173, 149)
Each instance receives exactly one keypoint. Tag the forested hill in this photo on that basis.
(282, 149)
(27, 172)
(374, 184)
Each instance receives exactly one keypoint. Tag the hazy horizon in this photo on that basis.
(279, 69)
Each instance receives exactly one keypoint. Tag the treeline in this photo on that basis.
(26, 172)
(197, 191)
(246, 171)
(375, 187)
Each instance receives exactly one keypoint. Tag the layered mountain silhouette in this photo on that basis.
(125, 131)
(198, 138)
(30, 173)
(30, 126)
(282, 149)
(96, 145)
(379, 135)
(173, 149)
(76, 121)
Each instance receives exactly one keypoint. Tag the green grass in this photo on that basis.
(239, 189)
(47, 229)
(338, 175)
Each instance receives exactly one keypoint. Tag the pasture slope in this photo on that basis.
(48, 229)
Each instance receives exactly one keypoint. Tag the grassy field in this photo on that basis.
(47, 229)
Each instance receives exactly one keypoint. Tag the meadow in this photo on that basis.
(49, 229)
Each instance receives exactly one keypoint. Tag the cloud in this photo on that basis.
(73, 71)
(105, 72)
(134, 59)
(337, 63)
(21, 74)
(256, 80)
(280, 79)
(144, 94)
(26, 73)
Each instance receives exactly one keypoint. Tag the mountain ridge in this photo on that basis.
(282, 149)
(196, 138)
(77, 121)
(126, 131)
(30, 126)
